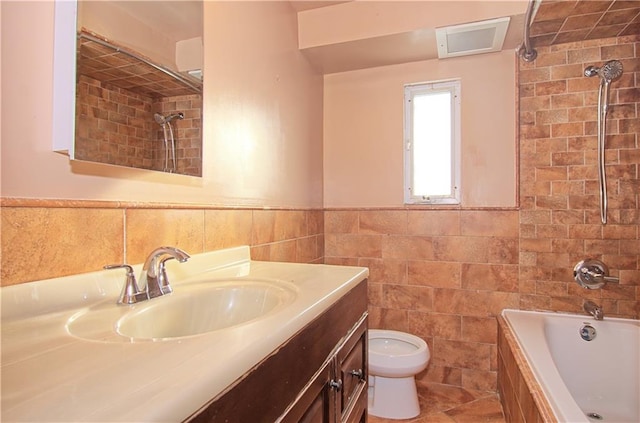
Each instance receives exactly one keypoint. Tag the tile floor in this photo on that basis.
(448, 404)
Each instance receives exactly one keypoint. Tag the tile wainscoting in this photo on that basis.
(443, 275)
(44, 239)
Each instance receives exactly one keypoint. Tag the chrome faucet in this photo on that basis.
(154, 275)
(592, 274)
(593, 309)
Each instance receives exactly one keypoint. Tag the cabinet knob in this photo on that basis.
(336, 384)
(357, 373)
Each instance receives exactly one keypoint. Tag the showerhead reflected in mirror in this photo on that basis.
(121, 91)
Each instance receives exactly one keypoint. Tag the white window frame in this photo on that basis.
(410, 91)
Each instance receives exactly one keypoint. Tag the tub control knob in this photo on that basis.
(336, 384)
(592, 274)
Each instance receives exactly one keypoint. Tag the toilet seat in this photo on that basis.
(396, 354)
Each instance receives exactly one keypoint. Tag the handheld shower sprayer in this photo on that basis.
(169, 141)
(608, 72)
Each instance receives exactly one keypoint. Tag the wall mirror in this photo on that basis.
(138, 96)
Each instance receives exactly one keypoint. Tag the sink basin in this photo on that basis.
(192, 309)
(202, 308)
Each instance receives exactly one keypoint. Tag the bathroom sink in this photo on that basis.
(192, 309)
(202, 308)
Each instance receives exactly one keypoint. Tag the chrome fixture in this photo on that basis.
(588, 332)
(592, 274)
(610, 71)
(593, 309)
(169, 142)
(526, 50)
(153, 271)
(166, 119)
(153, 274)
(131, 293)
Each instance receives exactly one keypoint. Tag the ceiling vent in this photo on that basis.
(472, 38)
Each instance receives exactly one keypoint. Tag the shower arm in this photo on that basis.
(610, 71)
(526, 50)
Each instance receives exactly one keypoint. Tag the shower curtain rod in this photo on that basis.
(118, 49)
(526, 50)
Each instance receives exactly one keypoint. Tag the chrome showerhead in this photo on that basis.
(159, 119)
(610, 71)
(166, 119)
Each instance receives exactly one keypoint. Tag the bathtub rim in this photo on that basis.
(533, 385)
(550, 388)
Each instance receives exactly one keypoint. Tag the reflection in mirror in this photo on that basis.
(131, 110)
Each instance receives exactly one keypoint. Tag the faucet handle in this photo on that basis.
(592, 274)
(130, 294)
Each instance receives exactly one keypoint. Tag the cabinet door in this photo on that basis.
(358, 414)
(316, 403)
(352, 366)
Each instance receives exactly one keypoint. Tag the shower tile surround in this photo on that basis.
(442, 274)
(116, 98)
(116, 126)
(187, 133)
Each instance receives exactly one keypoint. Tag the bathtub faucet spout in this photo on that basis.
(593, 309)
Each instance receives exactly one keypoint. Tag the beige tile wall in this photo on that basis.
(113, 125)
(559, 207)
(442, 275)
(45, 239)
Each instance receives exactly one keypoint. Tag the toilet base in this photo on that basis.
(393, 398)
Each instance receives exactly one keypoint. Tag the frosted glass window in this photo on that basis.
(432, 147)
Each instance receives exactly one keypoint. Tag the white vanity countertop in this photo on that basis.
(50, 375)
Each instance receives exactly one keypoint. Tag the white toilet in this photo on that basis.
(394, 360)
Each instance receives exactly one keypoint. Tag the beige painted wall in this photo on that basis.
(363, 131)
(262, 114)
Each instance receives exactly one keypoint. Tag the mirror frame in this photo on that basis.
(65, 74)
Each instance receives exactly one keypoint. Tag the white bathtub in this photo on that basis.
(583, 381)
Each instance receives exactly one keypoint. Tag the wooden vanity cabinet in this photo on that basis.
(318, 376)
(338, 393)
(351, 363)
